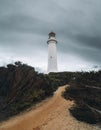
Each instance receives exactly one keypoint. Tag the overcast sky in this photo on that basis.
(25, 24)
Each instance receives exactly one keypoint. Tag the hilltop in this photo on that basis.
(21, 87)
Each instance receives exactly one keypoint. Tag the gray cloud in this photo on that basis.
(24, 26)
(90, 41)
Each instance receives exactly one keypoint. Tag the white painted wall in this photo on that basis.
(52, 55)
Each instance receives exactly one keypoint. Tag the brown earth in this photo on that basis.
(52, 114)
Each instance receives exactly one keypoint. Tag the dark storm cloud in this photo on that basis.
(90, 41)
(24, 25)
(86, 47)
(82, 33)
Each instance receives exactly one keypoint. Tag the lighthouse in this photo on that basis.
(52, 53)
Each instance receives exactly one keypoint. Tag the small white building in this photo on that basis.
(52, 53)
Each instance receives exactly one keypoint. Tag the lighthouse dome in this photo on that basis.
(52, 34)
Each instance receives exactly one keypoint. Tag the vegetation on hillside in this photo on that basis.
(20, 87)
(60, 78)
(85, 91)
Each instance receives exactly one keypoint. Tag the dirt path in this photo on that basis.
(50, 115)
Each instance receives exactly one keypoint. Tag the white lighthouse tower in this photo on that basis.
(52, 53)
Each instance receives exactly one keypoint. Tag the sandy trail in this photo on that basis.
(50, 115)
